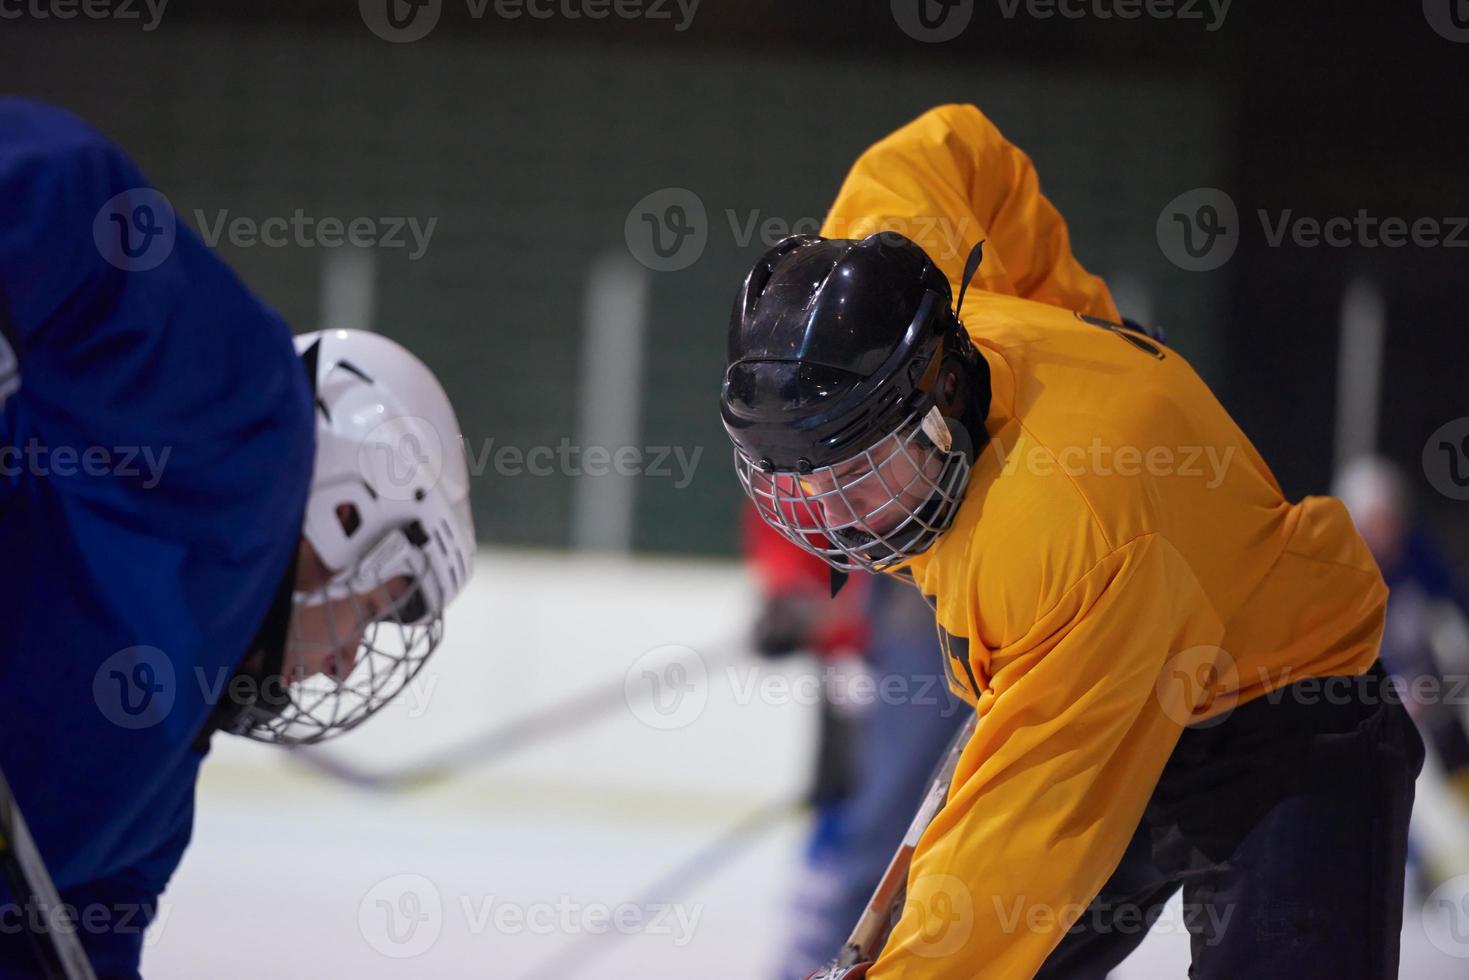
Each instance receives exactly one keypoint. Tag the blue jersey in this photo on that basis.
(156, 443)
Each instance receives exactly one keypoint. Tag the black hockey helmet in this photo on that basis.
(838, 352)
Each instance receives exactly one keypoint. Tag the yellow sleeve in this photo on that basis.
(1085, 712)
(949, 179)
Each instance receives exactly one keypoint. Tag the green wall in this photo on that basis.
(531, 155)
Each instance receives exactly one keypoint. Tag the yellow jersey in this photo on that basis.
(1123, 565)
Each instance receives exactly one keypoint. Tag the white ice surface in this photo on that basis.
(522, 855)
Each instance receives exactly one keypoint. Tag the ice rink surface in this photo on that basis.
(547, 862)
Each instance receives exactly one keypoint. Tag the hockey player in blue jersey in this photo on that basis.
(204, 525)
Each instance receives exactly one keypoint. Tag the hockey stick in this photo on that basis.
(877, 919)
(697, 868)
(886, 903)
(443, 764)
(51, 930)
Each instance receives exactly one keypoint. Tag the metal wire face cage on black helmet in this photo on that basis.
(874, 509)
(850, 396)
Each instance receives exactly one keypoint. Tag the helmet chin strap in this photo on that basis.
(971, 266)
(838, 579)
(975, 398)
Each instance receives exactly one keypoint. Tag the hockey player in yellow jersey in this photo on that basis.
(1174, 668)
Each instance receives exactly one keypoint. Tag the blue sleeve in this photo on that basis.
(155, 454)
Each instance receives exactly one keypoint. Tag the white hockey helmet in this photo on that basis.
(389, 501)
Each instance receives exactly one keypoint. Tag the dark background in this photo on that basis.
(530, 140)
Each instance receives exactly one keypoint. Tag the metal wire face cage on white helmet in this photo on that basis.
(357, 660)
(388, 521)
(874, 509)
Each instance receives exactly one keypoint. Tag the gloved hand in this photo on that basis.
(786, 622)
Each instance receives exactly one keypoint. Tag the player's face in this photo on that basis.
(879, 489)
(325, 637)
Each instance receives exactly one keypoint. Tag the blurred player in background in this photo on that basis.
(886, 713)
(205, 526)
(1140, 619)
(1424, 639)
